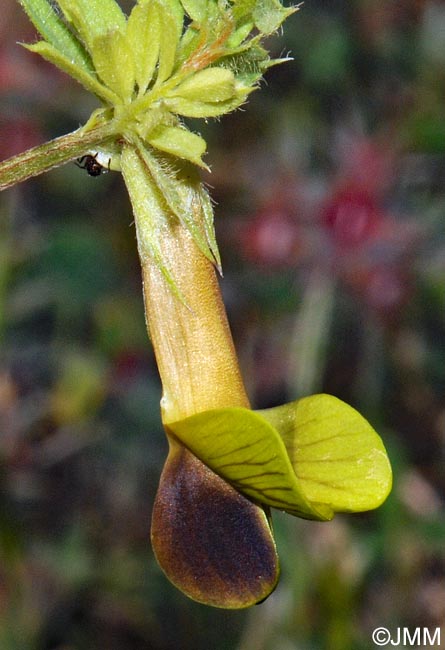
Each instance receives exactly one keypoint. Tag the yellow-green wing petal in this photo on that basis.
(339, 460)
(245, 450)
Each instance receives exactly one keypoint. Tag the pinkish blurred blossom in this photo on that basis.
(349, 231)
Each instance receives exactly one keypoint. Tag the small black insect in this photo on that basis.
(92, 165)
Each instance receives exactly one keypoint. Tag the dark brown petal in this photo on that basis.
(212, 543)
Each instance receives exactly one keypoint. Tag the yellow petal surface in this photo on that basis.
(339, 459)
(244, 449)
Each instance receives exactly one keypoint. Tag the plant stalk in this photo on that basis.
(192, 340)
(212, 542)
(52, 154)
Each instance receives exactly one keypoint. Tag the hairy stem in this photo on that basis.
(51, 154)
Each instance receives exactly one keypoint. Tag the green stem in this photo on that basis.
(51, 154)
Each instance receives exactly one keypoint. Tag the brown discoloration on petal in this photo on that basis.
(212, 543)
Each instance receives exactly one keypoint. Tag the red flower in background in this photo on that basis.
(17, 135)
(348, 231)
(271, 238)
(352, 216)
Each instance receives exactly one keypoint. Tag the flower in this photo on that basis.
(227, 465)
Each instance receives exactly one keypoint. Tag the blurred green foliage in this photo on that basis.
(331, 213)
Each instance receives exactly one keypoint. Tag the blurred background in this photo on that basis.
(330, 191)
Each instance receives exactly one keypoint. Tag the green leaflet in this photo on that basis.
(190, 41)
(101, 25)
(220, 90)
(177, 12)
(311, 458)
(207, 210)
(54, 30)
(151, 217)
(268, 15)
(114, 62)
(154, 31)
(215, 84)
(241, 33)
(143, 32)
(242, 8)
(338, 457)
(87, 80)
(169, 40)
(196, 9)
(188, 108)
(248, 63)
(181, 191)
(178, 141)
(93, 18)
